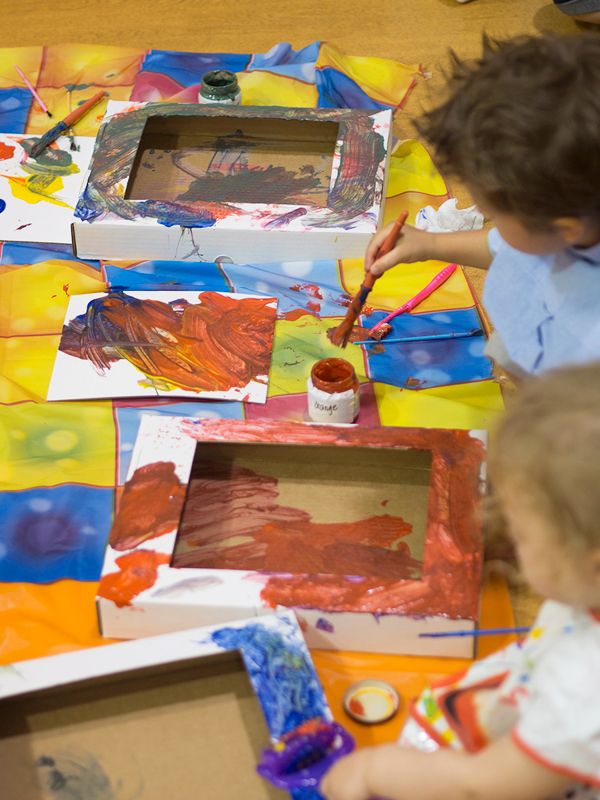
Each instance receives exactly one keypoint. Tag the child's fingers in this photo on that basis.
(386, 262)
(373, 247)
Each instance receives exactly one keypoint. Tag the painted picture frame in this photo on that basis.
(72, 700)
(361, 586)
(201, 182)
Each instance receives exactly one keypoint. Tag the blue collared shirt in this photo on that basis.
(546, 309)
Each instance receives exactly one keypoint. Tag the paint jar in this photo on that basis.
(333, 391)
(219, 86)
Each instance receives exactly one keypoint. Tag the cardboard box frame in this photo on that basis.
(110, 225)
(275, 657)
(378, 616)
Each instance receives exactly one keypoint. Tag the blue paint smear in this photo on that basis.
(2, 205)
(337, 90)
(283, 678)
(167, 214)
(424, 365)
(47, 534)
(14, 109)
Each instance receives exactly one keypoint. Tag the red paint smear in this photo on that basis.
(139, 571)
(357, 334)
(6, 151)
(312, 306)
(310, 288)
(227, 502)
(296, 313)
(150, 505)
(65, 289)
(220, 344)
(451, 575)
(384, 503)
(356, 707)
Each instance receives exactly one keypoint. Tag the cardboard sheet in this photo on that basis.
(194, 730)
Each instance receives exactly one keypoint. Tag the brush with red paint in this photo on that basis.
(340, 336)
(53, 134)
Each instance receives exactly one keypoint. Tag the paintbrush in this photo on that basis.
(75, 115)
(340, 335)
(383, 328)
(35, 95)
(429, 338)
(476, 632)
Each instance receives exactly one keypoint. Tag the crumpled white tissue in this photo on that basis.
(449, 218)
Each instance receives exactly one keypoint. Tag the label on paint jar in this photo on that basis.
(333, 392)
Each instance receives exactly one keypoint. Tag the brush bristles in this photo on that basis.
(379, 331)
(339, 337)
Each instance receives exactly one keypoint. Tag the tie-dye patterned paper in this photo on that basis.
(62, 462)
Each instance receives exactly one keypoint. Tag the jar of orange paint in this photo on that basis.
(333, 391)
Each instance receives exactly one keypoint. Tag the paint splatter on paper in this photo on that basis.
(38, 195)
(74, 775)
(150, 506)
(138, 571)
(135, 344)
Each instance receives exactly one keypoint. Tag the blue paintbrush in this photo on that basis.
(432, 337)
(476, 632)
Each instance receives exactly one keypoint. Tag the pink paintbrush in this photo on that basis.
(29, 85)
(383, 328)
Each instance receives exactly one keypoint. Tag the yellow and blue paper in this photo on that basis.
(60, 463)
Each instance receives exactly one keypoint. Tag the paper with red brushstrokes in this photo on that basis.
(154, 344)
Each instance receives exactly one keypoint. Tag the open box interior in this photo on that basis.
(188, 730)
(306, 509)
(234, 160)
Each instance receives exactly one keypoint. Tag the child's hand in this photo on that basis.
(412, 245)
(346, 780)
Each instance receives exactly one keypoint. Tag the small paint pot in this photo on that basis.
(219, 86)
(333, 391)
(371, 701)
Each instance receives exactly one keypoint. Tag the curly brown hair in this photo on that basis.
(522, 126)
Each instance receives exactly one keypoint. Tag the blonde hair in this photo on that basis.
(548, 445)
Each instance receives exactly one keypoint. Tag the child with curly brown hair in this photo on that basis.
(523, 724)
(521, 130)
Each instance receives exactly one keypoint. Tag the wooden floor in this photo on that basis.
(411, 31)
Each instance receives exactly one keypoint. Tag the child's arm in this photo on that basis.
(499, 772)
(462, 247)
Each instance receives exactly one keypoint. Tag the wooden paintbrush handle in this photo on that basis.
(390, 240)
